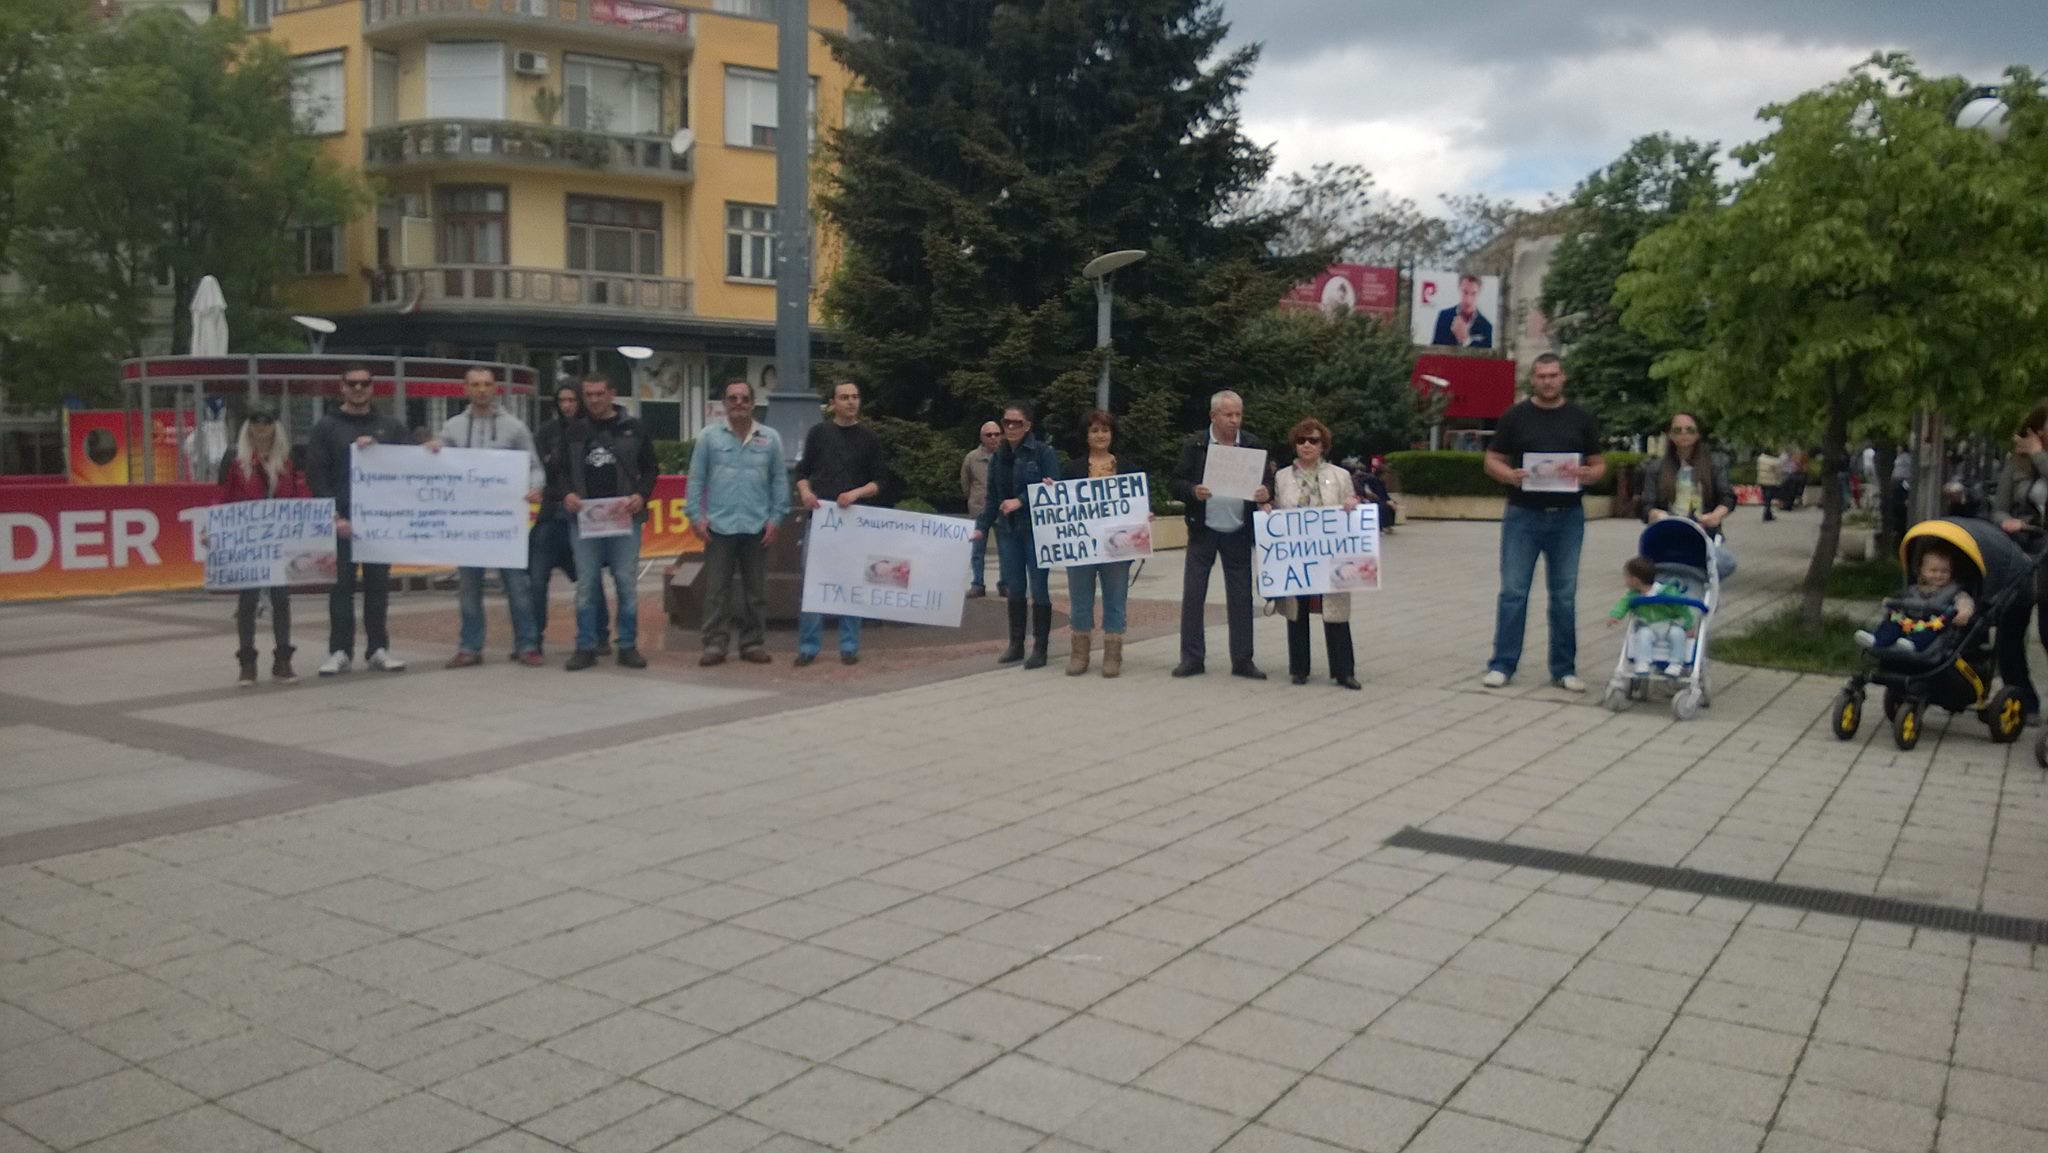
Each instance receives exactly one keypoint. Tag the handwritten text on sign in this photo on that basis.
(886, 565)
(261, 543)
(1092, 521)
(459, 506)
(1310, 551)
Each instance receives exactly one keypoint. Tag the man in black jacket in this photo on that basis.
(549, 544)
(1222, 527)
(356, 423)
(607, 454)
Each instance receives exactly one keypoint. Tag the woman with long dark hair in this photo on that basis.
(1687, 481)
(1022, 461)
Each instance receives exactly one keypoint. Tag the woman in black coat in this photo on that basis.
(1022, 461)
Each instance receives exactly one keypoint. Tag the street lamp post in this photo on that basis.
(1099, 270)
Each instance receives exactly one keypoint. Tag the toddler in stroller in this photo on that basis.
(1936, 603)
(1663, 631)
(1675, 588)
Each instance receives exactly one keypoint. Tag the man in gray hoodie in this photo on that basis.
(485, 424)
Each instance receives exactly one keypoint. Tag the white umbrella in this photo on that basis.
(209, 320)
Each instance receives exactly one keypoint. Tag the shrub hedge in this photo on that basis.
(1464, 473)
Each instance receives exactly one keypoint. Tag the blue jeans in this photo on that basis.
(810, 634)
(1115, 580)
(518, 598)
(977, 560)
(620, 554)
(1020, 561)
(1555, 534)
(549, 547)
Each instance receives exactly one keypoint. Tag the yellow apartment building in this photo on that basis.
(554, 179)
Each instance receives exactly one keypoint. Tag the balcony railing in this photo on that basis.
(631, 17)
(516, 142)
(498, 286)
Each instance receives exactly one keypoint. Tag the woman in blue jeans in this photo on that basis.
(1021, 462)
(1114, 577)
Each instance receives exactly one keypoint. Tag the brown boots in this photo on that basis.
(1077, 658)
(1112, 655)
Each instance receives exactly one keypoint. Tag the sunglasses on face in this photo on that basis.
(1308, 440)
(355, 384)
(1015, 423)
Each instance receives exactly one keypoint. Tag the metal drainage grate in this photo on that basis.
(1950, 918)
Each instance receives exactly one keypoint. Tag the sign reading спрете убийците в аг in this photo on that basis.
(1312, 551)
(1098, 520)
(887, 565)
(253, 544)
(459, 506)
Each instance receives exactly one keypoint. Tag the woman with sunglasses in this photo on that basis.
(1688, 482)
(1313, 482)
(1022, 461)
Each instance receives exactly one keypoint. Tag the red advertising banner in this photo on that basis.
(1482, 388)
(103, 446)
(1341, 288)
(78, 540)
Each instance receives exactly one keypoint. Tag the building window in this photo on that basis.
(256, 13)
(466, 80)
(750, 114)
(603, 95)
(750, 241)
(319, 250)
(759, 9)
(317, 91)
(471, 227)
(607, 235)
(383, 87)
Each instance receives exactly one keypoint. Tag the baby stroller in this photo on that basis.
(1957, 670)
(1686, 562)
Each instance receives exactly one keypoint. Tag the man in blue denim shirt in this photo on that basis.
(737, 496)
(1549, 524)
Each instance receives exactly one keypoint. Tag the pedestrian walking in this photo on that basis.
(737, 496)
(1023, 460)
(356, 424)
(1770, 477)
(1218, 527)
(607, 454)
(2022, 509)
(842, 464)
(262, 469)
(1112, 578)
(974, 487)
(549, 543)
(1544, 522)
(1313, 482)
(485, 424)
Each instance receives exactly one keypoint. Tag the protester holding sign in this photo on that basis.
(1114, 577)
(484, 424)
(607, 454)
(262, 469)
(549, 546)
(1313, 482)
(356, 424)
(841, 465)
(1022, 461)
(1218, 526)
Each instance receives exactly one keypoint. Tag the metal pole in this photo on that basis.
(1102, 310)
(792, 197)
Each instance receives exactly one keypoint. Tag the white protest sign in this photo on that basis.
(1094, 521)
(886, 565)
(1234, 473)
(1546, 472)
(605, 516)
(253, 544)
(459, 506)
(1311, 551)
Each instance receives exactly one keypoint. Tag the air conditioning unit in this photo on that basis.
(530, 63)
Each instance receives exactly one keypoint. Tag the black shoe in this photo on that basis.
(632, 659)
(1188, 669)
(581, 659)
(1299, 678)
(711, 657)
(1347, 683)
(976, 592)
(803, 659)
(1020, 614)
(604, 648)
(849, 658)
(1248, 672)
(1041, 635)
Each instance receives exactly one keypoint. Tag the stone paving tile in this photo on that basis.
(940, 1127)
(418, 1123)
(98, 1108)
(1347, 1115)
(1030, 1093)
(919, 1057)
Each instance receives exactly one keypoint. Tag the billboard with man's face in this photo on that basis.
(1455, 310)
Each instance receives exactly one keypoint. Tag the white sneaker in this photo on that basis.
(1866, 638)
(337, 662)
(1494, 679)
(1674, 669)
(384, 662)
(1570, 683)
(1642, 668)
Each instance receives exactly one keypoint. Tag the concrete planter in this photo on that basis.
(1856, 544)
(1415, 506)
(1169, 532)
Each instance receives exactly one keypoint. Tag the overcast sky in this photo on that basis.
(1517, 99)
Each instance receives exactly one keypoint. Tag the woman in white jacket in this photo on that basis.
(1310, 482)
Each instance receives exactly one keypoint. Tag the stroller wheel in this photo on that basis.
(2006, 716)
(1686, 705)
(1848, 714)
(1906, 727)
(1616, 697)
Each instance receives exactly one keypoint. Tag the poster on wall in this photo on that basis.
(1454, 310)
(105, 446)
(885, 564)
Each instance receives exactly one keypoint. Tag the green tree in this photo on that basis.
(1648, 186)
(1016, 141)
(1350, 372)
(172, 155)
(1876, 260)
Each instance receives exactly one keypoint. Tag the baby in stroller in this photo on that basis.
(1662, 632)
(1937, 603)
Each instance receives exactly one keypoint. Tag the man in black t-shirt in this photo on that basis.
(841, 464)
(605, 455)
(1546, 450)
